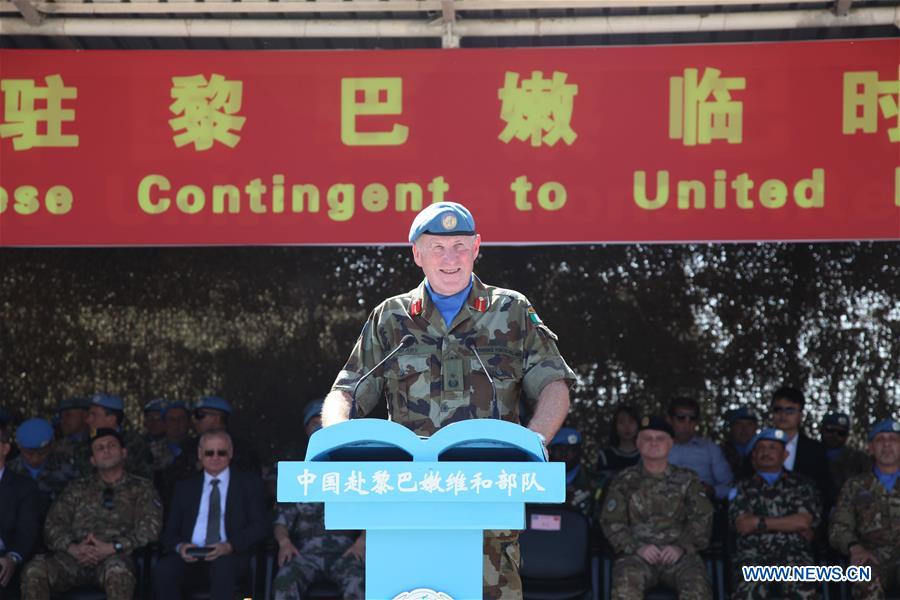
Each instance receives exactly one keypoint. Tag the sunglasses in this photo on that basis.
(788, 410)
(215, 453)
(685, 417)
(108, 498)
(837, 432)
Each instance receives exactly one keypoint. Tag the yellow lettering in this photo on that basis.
(374, 197)
(340, 201)
(304, 195)
(773, 193)
(520, 187)
(438, 187)
(145, 201)
(409, 197)
(640, 190)
(26, 200)
(552, 195)
(190, 199)
(810, 192)
(222, 192)
(686, 189)
(58, 200)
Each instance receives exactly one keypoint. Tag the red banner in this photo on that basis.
(775, 141)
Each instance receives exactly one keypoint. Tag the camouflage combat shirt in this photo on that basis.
(867, 514)
(790, 494)
(305, 522)
(438, 380)
(670, 508)
(134, 516)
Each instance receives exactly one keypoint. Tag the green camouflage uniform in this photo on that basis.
(321, 554)
(867, 514)
(791, 494)
(849, 463)
(139, 460)
(668, 509)
(438, 381)
(134, 520)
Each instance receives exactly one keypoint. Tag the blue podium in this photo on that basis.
(424, 502)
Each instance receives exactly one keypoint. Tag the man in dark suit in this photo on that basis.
(18, 520)
(215, 518)
(806, 456)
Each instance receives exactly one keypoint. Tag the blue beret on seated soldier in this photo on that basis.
(774, 514)
(657, 517)
(865, 523)
(154, 426)
(457, 322)
(94, 526)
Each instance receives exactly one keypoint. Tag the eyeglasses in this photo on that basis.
(215, 453)
(837, 432)
(788, 410)
(108, 498)
(685, 417)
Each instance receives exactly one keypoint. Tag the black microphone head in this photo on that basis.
(407, 340)
(469, 343)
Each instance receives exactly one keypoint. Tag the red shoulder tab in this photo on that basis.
(415, 308)
(480, 304)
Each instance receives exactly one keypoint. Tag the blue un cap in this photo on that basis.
(155, 405)
(214, 403)
(886, 426)
(34, 434)
(443, 218)
(775, 435)
(566, 436)
(108, 401)
(175, 404)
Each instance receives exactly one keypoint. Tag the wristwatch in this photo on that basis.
(118, 547)
(761, 524)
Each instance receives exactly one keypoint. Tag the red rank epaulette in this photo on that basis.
(480, 304)
(415, 308)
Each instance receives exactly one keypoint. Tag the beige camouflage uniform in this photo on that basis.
(667, 509)
(867, 514)
(438, 381)
(134, 519)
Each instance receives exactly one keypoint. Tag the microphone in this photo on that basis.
(495, 410)
(406, 341)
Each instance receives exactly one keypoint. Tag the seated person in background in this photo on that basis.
(773, 513)
(806, 456)
(866, 520)
(94, 526)
(657, 517)
(37, 461)
(700, 455)
(581, 486)
(743, 423)
(215, 518)
(843, 461)
(18, 520)
(73, 427)
(622, 451)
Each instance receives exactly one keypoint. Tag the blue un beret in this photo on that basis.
(743, 412)
(175, 404)
(442, 218)
(108, 401)
(886, 426)
(313, 409)
(155, 405)
(215, 403)
(842, 420)
(34, 434)
(775, 435)
(566, 436)
(74, 402)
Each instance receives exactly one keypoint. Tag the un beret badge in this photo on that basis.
(645, 421)
(449, 222)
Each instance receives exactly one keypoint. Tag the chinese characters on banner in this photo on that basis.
(546, 146)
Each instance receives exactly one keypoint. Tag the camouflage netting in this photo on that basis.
(268, 328)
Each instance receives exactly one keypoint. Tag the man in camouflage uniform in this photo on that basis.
(306, 552)
(108, 412)
(743, 424)
(438, 379)
(94, 527)
(37, 461)
(844, 461)
(774, 514)
(581, 484)
(73, 428)
(657, 517)
(865, 523)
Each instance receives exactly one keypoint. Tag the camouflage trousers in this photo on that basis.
(293, 579)
(501, 565)
(885, 577)
(48, 574)
(632, 576)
